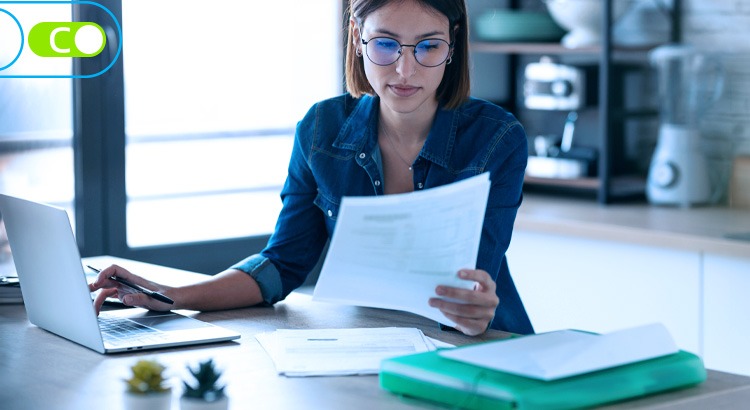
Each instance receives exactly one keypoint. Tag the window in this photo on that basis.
(177, 154)
(213, 91)
(36, 124)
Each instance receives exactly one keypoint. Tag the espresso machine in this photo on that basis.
(551, 86)
(689, 82)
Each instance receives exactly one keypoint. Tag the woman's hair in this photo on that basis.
(454, 88)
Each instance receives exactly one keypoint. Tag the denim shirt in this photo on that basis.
(336, 154)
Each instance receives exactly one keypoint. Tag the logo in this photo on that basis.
(37, 42)
(65, 39)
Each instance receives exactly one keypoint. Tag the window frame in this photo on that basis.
(99, 162)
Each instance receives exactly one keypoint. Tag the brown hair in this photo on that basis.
(455, 87)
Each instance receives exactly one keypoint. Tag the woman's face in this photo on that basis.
(405, 86)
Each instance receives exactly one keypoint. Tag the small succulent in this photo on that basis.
(147, 378)
(204, 385)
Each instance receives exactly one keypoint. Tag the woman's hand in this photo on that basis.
(128, 296)
(473, 316)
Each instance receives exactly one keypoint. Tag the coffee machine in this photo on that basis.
(551, 86)
(689, 82)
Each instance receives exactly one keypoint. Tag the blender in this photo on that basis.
(689, 83)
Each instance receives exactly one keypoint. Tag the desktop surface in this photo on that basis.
(41, 370)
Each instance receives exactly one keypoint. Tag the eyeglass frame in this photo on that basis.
(448, 57)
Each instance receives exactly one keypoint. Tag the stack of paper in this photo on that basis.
(10, 290)
(337, 352)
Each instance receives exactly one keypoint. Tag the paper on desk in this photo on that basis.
(337, 352)
(554, 355)
(392, 251)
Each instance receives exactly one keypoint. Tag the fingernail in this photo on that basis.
(127, 299)
(462, 274)
(440, 290)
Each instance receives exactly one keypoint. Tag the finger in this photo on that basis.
(469, 296)
(462, 309)
(103, 278)
(102, 296)
(470, 327)
(142, 300)
(479, 276)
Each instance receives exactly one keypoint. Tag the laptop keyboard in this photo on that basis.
(119, 331)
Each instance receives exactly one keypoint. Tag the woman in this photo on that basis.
(406, 124)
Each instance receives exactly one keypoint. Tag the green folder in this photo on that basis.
(432, 377)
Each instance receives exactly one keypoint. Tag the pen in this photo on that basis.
(156, 295)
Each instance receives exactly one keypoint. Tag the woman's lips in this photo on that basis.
(404, 90)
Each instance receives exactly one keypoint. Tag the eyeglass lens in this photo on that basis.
(386, 51)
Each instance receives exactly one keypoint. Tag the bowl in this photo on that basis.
(583, 19)
(503, 25)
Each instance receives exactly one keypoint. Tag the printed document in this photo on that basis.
(392, 251)
(339, 352)
(564, 353)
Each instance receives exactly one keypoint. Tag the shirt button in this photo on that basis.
(377, 183)
(420, 185)
(362, 155)
(330, 213)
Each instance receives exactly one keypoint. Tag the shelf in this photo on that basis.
(623, 54)
(529, 48)
(579, 183)
(620, 186)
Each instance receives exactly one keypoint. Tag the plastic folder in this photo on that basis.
(432, 377)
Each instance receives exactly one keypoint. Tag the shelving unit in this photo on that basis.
(610, 184)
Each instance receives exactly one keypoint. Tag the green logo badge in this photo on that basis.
(67, 39)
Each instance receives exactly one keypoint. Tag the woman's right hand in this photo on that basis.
(128, 296)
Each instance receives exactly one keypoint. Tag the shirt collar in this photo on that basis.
(437, 147)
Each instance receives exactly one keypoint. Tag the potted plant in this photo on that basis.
(146, 388)
(203, 391)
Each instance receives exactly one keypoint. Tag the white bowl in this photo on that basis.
(583, 19)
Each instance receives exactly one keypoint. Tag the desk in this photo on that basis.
(40, 370)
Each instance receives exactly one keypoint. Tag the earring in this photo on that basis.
(449, 60)
(358, 52)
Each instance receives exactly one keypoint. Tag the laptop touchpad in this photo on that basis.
(166, 321)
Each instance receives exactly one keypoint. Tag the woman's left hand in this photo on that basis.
(473, 316)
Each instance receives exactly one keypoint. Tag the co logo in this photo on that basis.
(35, 39)
(67, 39)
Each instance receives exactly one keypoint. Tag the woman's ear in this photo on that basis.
(354, 27)
(356, 37)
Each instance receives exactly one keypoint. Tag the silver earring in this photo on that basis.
(449, 60)
(358, 52)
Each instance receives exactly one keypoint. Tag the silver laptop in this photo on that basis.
(57, 298)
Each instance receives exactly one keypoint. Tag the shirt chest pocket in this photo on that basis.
(329, 206)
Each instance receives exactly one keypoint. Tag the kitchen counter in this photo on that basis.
(719, 230)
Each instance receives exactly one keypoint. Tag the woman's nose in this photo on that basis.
(407, 64)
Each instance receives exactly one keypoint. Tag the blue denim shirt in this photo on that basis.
(336, 154)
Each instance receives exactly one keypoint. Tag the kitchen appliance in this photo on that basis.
(557, 87)
(689, 82)
(551, 86)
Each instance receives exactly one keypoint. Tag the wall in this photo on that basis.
(724, 26)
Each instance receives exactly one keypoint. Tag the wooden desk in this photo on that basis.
(39, 370)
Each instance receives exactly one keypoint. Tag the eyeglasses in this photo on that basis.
(430, 52)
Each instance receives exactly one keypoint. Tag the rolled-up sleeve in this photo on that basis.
(265, 273)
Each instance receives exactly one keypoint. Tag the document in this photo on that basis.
(392, 251)
(338, 352)
(564, 353)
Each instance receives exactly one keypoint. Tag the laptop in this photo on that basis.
(57, 297)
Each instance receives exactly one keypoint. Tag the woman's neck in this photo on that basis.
(406, 129)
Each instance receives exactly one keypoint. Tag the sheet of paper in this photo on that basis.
(564, 353)
(337, 352)
(392, 251)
